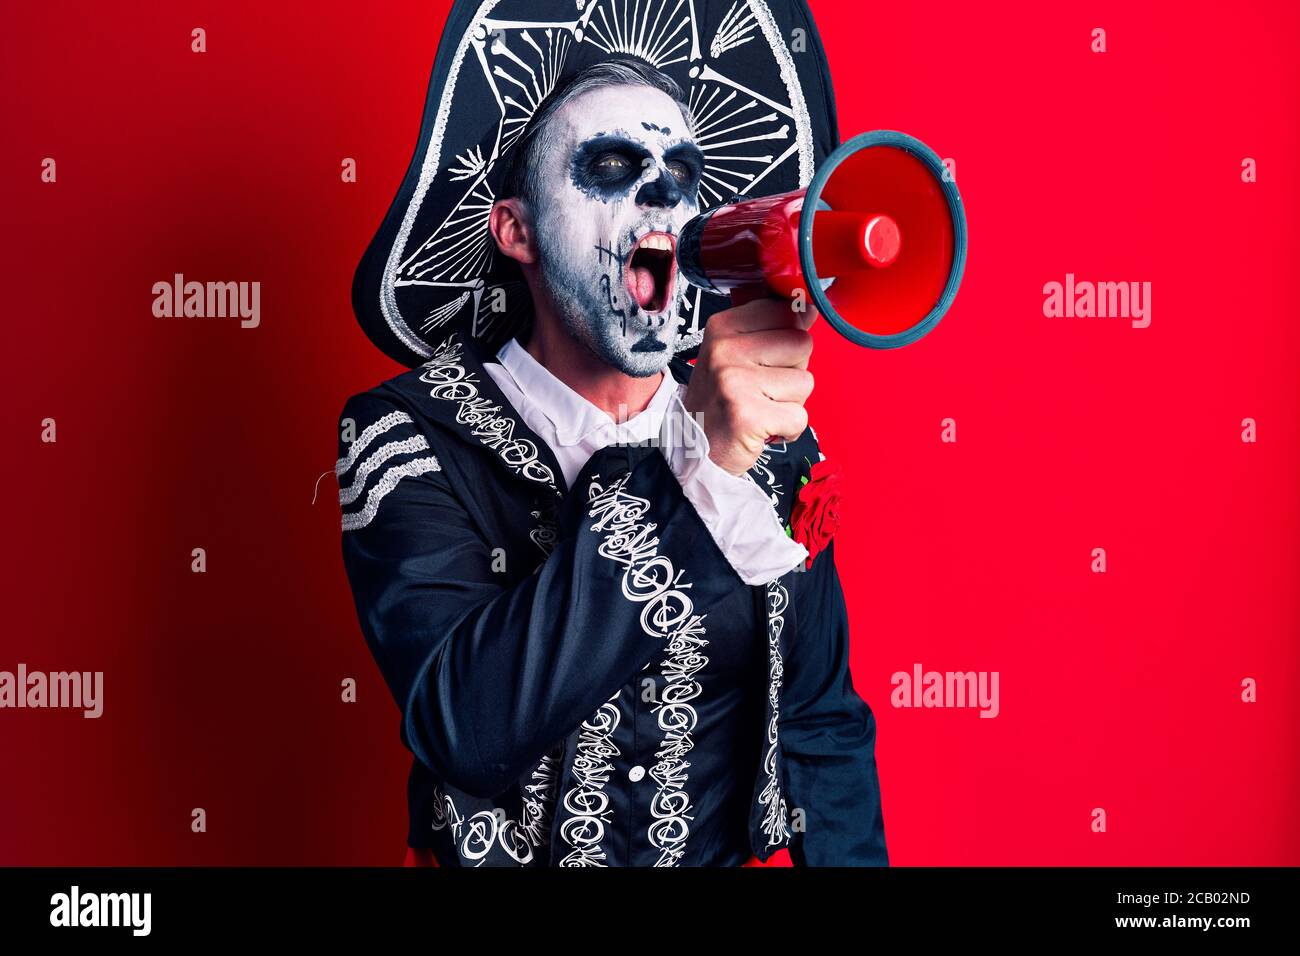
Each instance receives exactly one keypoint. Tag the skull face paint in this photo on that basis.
(619, 178)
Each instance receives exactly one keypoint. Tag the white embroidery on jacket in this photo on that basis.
(539, 804)
(386, 483)
(496, 431)
(775, 817)
(677, 719)
(371, 432)
(760, 470)
(649, 578)
(545, 535)
(476, 836)
(587, 799)
(382, 454)
(451, 382)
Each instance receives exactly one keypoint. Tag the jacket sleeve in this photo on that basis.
(828, 734)
(489, 675)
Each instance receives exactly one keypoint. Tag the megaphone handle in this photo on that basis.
(748, 293)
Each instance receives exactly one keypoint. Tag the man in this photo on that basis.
(604, 646)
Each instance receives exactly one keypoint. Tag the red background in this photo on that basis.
(222, 690)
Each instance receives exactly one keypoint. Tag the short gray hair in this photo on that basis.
(522, 176)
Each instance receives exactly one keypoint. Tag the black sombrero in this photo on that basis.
(756, 79)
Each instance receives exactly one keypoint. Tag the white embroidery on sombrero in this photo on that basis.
(444, 313)
(775, 817)
(640, 39)
(382, 454)
(521, 60)
(471, 164)
(368, 435)
(736, 28)
(502, 305)
(387, 482)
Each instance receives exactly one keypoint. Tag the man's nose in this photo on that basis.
(663, 191)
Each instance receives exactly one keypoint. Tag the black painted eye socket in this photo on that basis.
(681, 172)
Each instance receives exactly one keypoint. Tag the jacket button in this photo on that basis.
(636, 773)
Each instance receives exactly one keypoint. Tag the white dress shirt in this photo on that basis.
(737, 512)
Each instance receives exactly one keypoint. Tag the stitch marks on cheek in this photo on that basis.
(616, 257)
(605, 287)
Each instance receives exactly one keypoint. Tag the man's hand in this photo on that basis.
(751, 379)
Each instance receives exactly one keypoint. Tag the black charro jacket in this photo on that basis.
(510, 614)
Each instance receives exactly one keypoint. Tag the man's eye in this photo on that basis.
(681, 172)
(613, 163)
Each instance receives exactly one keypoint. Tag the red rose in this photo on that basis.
(816, 514)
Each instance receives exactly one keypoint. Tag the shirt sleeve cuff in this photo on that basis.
(736, 511)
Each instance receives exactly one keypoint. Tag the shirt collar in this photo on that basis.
(573, 417)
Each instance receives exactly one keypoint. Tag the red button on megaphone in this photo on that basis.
(881, 255)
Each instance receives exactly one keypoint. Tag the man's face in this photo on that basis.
(617, 184)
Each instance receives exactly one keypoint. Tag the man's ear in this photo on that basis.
(512, 228)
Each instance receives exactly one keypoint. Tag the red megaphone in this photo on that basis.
(880, 257)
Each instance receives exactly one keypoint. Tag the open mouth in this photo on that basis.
(651, 270)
